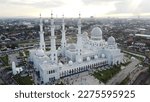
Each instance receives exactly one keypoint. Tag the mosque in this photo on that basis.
(72, 58)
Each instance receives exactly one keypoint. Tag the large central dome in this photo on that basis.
(96, 33)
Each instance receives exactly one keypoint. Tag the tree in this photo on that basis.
(149, 69)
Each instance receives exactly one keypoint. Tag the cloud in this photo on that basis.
(122, 6)
(134, 7)
(144, 6)
(34, 3)
(97, 2)
(96, 7)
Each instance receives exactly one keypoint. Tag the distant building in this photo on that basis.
(143, 35)
(28, 24)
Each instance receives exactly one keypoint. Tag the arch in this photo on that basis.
(84, 68)
(65, 73)
(69, 72)
(72, 71)
(77, 69)
(117, 62)
(80, 69)
(62, 74)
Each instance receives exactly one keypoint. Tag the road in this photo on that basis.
(136, 73)
(134, 54)
(15, 50)
(123, 73)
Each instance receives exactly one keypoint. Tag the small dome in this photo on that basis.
(59, 48)
(88, 59)
(96, 33)
(103, 56)
(40, 53)
(111, 41)
(85, 33)
(70, 62)
(60, 64)
(79, 60)
(72, 46)
(96, 57)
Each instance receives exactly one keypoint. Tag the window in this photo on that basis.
(51, 71)
(52, 79)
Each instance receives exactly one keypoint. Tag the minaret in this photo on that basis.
(14, 68)
(42, 42)
(79, 43)
(53, 42)
(63, 40)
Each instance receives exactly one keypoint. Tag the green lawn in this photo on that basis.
(21, 54)
(47, 49)
(8, 68)
(125, 81)
(26, 52)
(23, 80)
(105, 75)
(4, 60)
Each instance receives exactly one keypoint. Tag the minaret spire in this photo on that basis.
(63, 40)
(79, 24)
(53, 42)
(42, 42)
(79, 42)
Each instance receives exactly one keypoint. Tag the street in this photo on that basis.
(123, 73)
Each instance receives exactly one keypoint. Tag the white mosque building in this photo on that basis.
(72, 58)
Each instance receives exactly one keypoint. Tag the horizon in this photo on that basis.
(37, 17)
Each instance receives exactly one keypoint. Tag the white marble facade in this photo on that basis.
(72, 58)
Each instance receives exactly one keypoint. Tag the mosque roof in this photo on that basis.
(40, 53)
(96, 33)
(111, 40)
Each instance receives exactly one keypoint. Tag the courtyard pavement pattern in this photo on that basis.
(83, 78)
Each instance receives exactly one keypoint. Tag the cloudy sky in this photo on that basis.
(71, 8)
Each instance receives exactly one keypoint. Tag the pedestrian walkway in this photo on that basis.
(82, 79)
